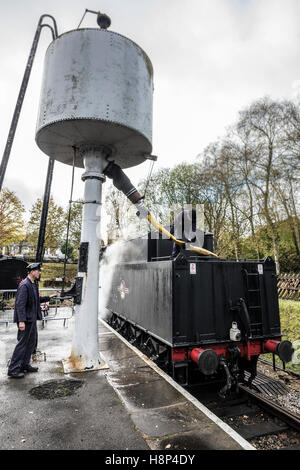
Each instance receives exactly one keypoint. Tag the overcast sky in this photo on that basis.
(211, 58)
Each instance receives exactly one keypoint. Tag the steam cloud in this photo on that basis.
(118, 252)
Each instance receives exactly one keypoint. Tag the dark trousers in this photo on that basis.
(24, 348)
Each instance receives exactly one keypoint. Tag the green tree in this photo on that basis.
(55, 227)
(11, 218)
(69, 250)
(75, 224)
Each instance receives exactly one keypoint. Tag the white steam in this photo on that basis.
(118, 252)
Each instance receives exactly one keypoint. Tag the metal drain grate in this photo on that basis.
(267, 385)
(56, 389)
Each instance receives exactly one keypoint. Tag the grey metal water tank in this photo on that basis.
(97, 89)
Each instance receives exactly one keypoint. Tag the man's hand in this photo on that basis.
(52, 295)
(21, 326)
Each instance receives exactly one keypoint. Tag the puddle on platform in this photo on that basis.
(55, 389)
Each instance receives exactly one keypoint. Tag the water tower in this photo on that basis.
(96, 104)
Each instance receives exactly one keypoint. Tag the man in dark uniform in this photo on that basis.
(27, 312)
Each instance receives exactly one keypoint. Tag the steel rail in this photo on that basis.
(292, 419)
(287, 371)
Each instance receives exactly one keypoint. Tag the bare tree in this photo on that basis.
(264, 122)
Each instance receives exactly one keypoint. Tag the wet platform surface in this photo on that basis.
(127, 406)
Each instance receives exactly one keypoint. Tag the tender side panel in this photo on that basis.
(142, 293)
(202, 296)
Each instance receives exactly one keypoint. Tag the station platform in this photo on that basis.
(131, 405)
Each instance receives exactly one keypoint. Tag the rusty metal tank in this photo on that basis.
(97, 89)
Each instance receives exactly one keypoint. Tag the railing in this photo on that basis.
(289, 286)
(49, 311)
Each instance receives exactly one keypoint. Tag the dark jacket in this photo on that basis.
(27, 309)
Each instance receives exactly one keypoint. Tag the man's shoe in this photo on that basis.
(16, 375)
(30, 369)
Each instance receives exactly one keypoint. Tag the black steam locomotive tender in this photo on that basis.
(199, 317)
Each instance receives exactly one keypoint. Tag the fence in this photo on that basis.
(63, 309)
(289, 286)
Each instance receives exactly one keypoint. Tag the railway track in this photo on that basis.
(287, 416)
(276, 367)
(255, 415)
(253, 412)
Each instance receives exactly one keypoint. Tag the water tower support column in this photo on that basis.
(85, 347)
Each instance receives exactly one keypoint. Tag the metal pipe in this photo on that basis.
(49, 176)
(224, 390)
(69, 220)
(21, 95)
(85, 348)
(43, 222)
(13, 128)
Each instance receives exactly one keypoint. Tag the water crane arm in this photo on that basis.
(123, 183)
(23, 88)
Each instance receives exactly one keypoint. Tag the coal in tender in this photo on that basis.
(55, 389)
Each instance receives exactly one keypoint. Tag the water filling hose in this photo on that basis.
(123, 183)
(163, 231)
